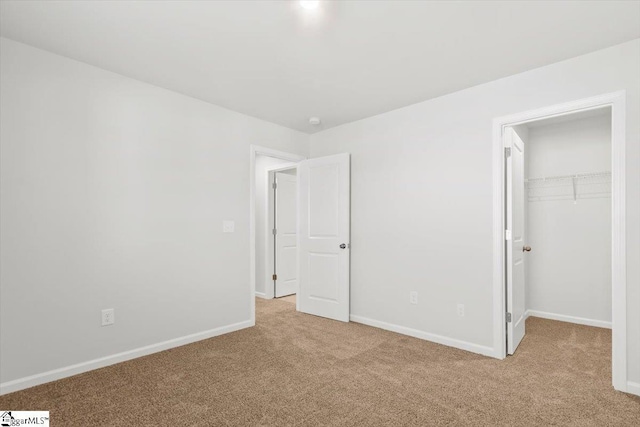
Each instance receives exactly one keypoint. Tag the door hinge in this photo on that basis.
(507, 234)
(507, 151)
(275, 231)
(274, 277)
(508, 317)
(274, 185)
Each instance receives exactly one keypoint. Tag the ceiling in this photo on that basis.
(344, 61)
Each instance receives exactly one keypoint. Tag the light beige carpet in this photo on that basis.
(289, 298)
(296, 369)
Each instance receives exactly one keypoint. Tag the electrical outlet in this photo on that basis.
(228, 226)
(461, 310)
(413, 297)
(108, 317)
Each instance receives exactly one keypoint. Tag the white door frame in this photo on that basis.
(269, 291)
(616, 101)
(254, 151)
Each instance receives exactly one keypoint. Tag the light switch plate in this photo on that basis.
(228, 226)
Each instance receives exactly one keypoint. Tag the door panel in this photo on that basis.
(323, 203)
(515, 247)
(324, 208)
(286, 252)
(323, 276)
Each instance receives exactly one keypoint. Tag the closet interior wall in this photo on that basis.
(568, 165)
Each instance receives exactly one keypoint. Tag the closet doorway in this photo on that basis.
(560, 253)
(559, 216)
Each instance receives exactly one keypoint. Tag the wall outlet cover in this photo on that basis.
(228, 226)
(108, 317)
(413, 297)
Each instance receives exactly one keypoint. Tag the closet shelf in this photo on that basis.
(580, 176)
(571, 187)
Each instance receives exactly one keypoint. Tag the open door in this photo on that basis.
(324, 209)
(515, 243)
(286, 239)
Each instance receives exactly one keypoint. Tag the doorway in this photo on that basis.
(314, 226)
(559, 220)
(265, 167)
(513, 196)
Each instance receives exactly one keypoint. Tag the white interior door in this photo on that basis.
(286, 237)
(324, 198)
(515, 239)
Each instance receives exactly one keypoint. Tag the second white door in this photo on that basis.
(286, 237)
(515, 239)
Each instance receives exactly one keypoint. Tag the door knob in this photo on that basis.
(343, 246)
(526, 249)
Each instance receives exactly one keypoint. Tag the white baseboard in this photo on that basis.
(68, 371)
(439, 339)
(570, 319)
(261, 295)
(633, 388)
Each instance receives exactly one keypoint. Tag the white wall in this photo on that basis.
(113, 196)
(569, 268)
(263, 164)
(422, 206)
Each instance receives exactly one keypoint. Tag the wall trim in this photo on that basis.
(633, 388)
(617, 102)
(261, 295)
(569, 319)
(427, 336)
(79, 368)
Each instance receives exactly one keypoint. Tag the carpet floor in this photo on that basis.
(290, 298)
(296, 369)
